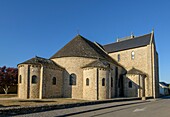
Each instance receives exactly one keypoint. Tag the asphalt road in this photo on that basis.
(150, 108)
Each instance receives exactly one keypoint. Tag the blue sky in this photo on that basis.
(41, 27)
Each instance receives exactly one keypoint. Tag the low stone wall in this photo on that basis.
(32, 109)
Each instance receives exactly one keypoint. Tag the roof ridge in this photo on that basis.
(138, 41)
(128, 39)
(98, 63)
(41, 57)
(79, 46)
(85, 41)
(136, 70)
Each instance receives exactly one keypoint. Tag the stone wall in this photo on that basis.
(134, 90)
(22, 87)
(90, 91)
(73, 65)
(52, 90)
(104, 90)
(95, 90)
(27, 89)
(34, 87)
(157, 74)
(141, 61)
(113, 85)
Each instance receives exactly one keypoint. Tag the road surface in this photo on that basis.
(150, 108)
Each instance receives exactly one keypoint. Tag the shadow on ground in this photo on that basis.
(2, 106)
(165, 97)
(37, 101)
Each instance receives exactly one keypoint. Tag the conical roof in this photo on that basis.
(136, 72)
(41, 61)
(98, 63)
(81, 47)
(78, 47)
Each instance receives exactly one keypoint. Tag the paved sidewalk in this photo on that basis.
(82, 109)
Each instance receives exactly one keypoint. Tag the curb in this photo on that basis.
(33, 109)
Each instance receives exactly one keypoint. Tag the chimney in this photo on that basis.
(132, 35)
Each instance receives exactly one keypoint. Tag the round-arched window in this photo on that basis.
(87, 82)
(118, 57)
(103, 82)
(130, 84)
(20, 79)
(34, 79)
(111, 81)
(73, 79)
(54, 81)
(133, 55)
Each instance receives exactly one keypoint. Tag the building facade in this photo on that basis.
(86, 70)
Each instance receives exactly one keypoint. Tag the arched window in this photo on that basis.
(54, 81)
(118, 57)
(103, 82)
(73, 79)
(20, 79)
(130, 84)
(87, 82)
(119, 83)
(116, 72)
(133, 55)
(34, 79)
(111, 82)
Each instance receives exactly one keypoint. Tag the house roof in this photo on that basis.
(164, 84)
(136, 72)
(41, 61)
(98, 63)
(81, 47)
(128, 43)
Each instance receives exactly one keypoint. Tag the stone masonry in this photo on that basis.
(86, 70)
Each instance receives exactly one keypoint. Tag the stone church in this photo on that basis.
(87, 70)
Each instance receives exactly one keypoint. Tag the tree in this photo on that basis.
(8, 77)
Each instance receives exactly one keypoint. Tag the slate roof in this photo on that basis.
(81, 47)
(98, 63)
(41, 61)
(129, 43)
(136, 72)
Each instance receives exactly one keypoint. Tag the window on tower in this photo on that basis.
(133, 55)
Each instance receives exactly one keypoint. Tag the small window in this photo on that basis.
(103, 82)
(54, 81)
(111, 82)
(116, 72)
(133, 55)
(87, 82)
(118, 57)
(34, 79)
(73, 79)
(20, 79)
(119, 83)
(130, 84)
